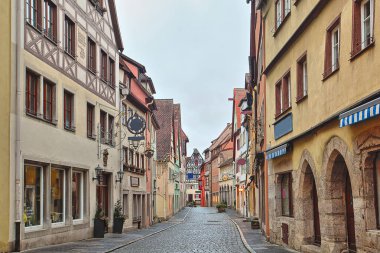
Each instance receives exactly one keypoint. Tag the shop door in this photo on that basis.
(102, 194)
(350, 216)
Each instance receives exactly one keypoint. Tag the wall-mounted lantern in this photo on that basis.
(98, 173)
(120, 175)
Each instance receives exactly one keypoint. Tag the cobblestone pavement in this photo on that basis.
(112, 241)
(204, 230)
(254, 237)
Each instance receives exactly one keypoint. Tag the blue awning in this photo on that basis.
(276, 152)
(360, 113)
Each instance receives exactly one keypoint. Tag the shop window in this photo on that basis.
(33, 196)
(57, 203)
(286, 194)
(77, 195)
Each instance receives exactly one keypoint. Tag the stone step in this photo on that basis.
(310, 249)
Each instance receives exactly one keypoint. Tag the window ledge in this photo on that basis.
(278, 116)
(52, 40)
(327, 75)
(91, 137)
(281, 24)
(91, 71)
(357, 54)
(70, 129)
(300, 99)
(69, 54)
(41, 118)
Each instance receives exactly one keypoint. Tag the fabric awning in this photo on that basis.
(276, 152)
(360, 113)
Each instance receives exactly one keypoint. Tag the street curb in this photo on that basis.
(144, 237)
(246, 245)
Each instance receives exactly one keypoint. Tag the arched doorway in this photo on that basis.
(339, 192)
(309, 207)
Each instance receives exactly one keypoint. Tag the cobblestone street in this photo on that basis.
(204, 230)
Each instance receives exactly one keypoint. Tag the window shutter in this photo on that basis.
(278, 99)
(328, 53)
(300, 79)
(55, 23)
(356, 27)
(285, 92)
(39, 14)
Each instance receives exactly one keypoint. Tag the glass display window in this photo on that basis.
(33, 196)
(77, 195)
(57, 203)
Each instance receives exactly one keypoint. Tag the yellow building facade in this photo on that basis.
(323, 129)
(5, 80)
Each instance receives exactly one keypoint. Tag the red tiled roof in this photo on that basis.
(164, 115)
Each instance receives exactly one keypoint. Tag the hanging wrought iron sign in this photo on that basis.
(136, 124)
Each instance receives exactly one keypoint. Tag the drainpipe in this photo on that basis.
(121, 147)
(18, 163)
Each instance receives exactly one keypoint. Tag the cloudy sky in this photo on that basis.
(196, 52)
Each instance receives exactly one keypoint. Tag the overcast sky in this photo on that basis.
(196, 52)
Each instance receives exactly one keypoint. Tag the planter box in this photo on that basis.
(221, 210)
(99, 228)
(118, 226)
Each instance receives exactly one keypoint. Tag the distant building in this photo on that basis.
(193, 172)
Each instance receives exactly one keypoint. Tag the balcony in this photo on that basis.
(133, 169)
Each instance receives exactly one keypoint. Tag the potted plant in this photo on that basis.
(118, 218)
(100, 223)
(221, 207)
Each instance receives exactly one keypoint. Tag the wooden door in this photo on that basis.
(350, 221)
(102, 194)
(317, 227)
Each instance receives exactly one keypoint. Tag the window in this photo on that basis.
(91, 55)
(77, 195)
(49, 97)
(69, 36)
(125, 205)
(286, 194)
(33, 196)
(50, 20)
(33, 13)
(57, 203)
(125, 155)
(90, 120)
(137, 159)
(282, 10)
(110, 130)
(282, 90)
(130, 157)
(68, 110)
(142, 161)
(332, 48)
(335, 49)
(103, 126)
(31, 93)
(301, 77)
(124, 114)
(377, 188)
(112, 73)
(363, 21)
(103, 69)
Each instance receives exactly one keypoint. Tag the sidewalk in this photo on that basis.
(111, 241)
(254, 237)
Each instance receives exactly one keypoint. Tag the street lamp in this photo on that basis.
(120, 175)
(135, 142)
(98, 173)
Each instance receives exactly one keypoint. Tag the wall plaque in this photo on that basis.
(81, 46)
(135, 181)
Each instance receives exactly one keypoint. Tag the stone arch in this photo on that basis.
(338, 174)
(307, 211)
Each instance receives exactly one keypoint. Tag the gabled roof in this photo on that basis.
(137, 64)
(115, 25)
(164, 115)
(223, 137)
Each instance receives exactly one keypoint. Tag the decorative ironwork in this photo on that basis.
(136, 124)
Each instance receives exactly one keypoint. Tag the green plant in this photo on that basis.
(118, 212)
(99, 214)
(221, 205)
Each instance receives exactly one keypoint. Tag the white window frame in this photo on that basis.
(287, 7)
(304, 77)
(80, 220)
(334, 65)
(370, 17)
(62, 223)
(278, 13)
(38, 227)
(281, 98)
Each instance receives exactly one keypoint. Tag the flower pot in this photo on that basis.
(221, 209)
(118, 226)
(99, 228)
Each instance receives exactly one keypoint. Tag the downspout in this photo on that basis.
(18, 163)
